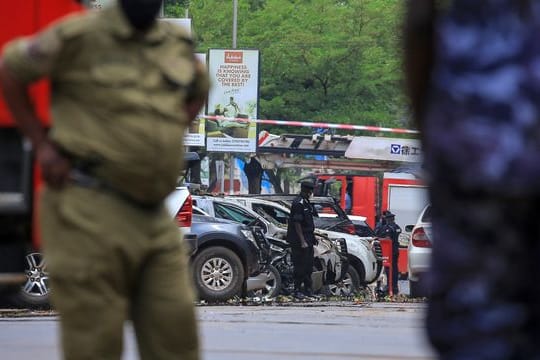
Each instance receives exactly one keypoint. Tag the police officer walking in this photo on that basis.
(389, 229)
(124, 88)
(300, 235)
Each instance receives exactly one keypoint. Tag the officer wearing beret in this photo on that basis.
(389, 229)
(300, 235)
(124, 88)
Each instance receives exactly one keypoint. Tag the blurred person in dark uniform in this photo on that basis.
(473, 76)
(380, 222)
(389, 229)
(300, 235)
(124, 88)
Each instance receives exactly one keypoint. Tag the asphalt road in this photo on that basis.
(325, 331)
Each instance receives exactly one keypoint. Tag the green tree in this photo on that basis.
(322, 60)
(175, 8)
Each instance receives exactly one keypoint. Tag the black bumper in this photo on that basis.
(191, 241)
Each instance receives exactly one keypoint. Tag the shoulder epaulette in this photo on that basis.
(177, 31)
(76, 25)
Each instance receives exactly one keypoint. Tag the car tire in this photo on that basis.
(417, 289)
(361, 272)
(273, 284)
(35, 291)
(218, 274)
(348, 286)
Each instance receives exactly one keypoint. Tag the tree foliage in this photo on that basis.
(321, 60)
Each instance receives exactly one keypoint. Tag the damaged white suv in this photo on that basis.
(331, 253)
(363, 266)
(362, 255)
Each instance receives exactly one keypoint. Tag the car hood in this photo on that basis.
(328, 223)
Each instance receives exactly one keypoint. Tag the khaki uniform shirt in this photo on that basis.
(117, 97)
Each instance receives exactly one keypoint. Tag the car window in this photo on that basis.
(284, 203)
(329, 208)
(326, 209)
(426, 217)
(362, 228)
(334, 190)
(231, 212)
(198, 211)
(271, 213)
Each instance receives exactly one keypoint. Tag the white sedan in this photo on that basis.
(419, 252)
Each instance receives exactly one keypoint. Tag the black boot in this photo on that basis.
(299, 295)
(308, 286)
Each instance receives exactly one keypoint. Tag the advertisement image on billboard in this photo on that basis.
(234, 95)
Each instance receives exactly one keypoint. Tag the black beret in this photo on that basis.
(307, 185)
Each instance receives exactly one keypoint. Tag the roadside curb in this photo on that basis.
(19, 313)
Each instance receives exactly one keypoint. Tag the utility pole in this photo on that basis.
(162, 9)
(231, 157)
(235, 23)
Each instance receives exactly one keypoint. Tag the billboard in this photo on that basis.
(234, 75)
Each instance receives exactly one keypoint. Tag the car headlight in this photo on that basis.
(249, 235)
(340, 244)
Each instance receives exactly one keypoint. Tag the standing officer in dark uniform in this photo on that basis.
(301, 238)
(124, 89)
(389, 229)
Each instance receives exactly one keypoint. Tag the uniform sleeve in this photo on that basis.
(31, 58)
(201, 83)
(297, 212)
(314, 210)
(382, 231)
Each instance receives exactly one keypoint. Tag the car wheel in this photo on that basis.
(35, 291)
(417, 289)
(273, 284)
(218, 273)
(349, 285)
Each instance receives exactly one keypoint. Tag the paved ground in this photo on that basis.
(325, 331)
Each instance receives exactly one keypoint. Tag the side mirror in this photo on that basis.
(260, 224)
(408, 228)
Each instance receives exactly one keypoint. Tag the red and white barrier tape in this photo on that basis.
(315, 125)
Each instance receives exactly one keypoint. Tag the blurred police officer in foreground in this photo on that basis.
(124, 87)
(300, 235)
(389, 229)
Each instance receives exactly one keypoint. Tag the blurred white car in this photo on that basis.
(419, 252)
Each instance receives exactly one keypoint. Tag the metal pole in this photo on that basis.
(231, 173)
(235, 22)
(231, 156)
(162, 10)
